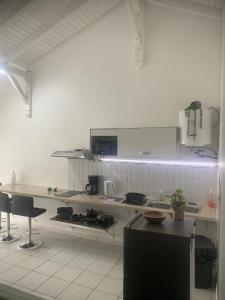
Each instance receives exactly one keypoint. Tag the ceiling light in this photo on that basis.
(2, 71)
(25, 93)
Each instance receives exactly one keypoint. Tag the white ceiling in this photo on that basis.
(29, 29)
(211, 3)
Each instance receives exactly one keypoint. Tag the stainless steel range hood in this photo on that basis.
(74, 154)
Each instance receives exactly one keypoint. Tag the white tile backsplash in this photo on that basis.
(148, 179)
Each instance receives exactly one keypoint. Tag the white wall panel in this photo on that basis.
(91, 82)
(150, 180)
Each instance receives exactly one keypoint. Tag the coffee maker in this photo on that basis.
(92, 187)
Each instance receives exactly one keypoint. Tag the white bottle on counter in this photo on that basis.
(13, 179)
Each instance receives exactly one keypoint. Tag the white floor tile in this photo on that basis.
(4, 282)
(202, 294)
(111, 256)
(63, 257)
(74, 249)
(32, 280)
(4, 266)
(93, 252)
(75, 292)
(45, 253)
(4, 252)
(116, 272)
(101, 267)
(101, 245)
(56, 235)
(84, 242)
(42, 296)
(96, 295)
(111, 286)
(68, 273)
(120, 261)
(14, 274)
(81, 261)
(49, 267)
(15, 258)
(21, 288)
(89, 279)
(53, 287)
(31, 263)
(51, 243)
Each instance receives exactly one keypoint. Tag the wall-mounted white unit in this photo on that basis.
(149, 142)
(196, 126)
(141, 143)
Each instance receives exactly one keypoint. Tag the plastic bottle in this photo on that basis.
(13, 178)
(210, 199)
(161, 196)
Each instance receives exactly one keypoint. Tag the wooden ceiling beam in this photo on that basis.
(135, 10)
(14, 10)
(47, 29)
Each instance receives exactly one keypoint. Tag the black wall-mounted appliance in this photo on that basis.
(104, 145)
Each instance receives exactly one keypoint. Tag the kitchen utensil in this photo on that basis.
(154, 217)
(109, 188)
(91, 213)
(135, 198)
(107, 220)
(65, 212)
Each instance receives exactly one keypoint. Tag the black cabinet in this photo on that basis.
(158, 259)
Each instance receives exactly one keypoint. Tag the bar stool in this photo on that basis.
(5, 206)
(24, 206)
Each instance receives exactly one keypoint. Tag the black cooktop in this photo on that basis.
(68, 194)
(90, 219)
(82, 223)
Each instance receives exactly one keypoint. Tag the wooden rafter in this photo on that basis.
(135, 9)
(47, 29)
(13, 6)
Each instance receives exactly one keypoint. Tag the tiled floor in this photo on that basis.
(66, 268)
(63, 267)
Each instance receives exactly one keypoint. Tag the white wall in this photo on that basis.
(91, 82)
(221, 263)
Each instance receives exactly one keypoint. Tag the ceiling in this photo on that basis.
(210, 3)
(29, 29)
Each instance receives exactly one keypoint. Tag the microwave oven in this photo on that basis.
(103, 142)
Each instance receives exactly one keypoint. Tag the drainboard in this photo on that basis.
(189, 208)
(159, 205)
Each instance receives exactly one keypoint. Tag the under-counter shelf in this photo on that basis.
(80, 225)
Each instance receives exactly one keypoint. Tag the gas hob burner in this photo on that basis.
(92, 219)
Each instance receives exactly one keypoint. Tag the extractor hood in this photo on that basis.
(74, 154)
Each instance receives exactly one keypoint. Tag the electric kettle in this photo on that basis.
(109, 188)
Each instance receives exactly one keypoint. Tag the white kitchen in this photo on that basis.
(112, 149)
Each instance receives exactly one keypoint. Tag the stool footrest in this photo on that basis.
(29, 245)
(8, 238)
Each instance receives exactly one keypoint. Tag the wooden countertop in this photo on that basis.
(207, 214)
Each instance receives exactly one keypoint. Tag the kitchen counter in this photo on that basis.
(206, 214)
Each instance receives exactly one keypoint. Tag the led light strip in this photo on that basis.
(163, 162)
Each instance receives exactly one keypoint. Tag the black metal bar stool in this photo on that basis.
(24, 206)
(5, 206)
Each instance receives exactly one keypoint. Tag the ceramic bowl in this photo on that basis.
(154, 217)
